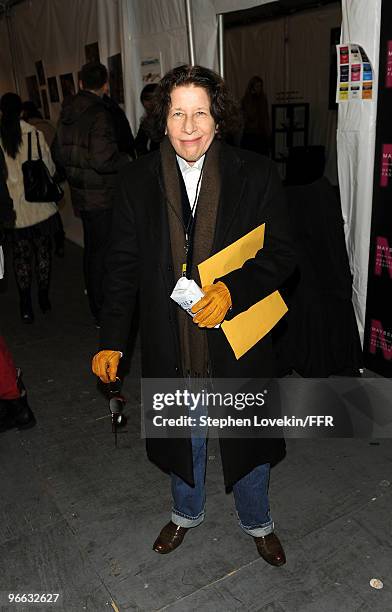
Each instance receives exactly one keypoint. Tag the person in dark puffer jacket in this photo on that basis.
(86, 149)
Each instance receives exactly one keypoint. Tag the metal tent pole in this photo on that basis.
(221, 47)
(189, 27)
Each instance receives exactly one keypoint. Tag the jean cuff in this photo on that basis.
(259, 531)
(183, 520)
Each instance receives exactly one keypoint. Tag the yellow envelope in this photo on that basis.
(247, 328)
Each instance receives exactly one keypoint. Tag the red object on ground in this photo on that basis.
(8, 385)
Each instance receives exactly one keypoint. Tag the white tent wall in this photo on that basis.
(152, 28)
(155, 29)
(108, 28)
(291, 54)
(356, 145)
(227, 6)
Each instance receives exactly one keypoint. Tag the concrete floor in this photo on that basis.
(78, 517)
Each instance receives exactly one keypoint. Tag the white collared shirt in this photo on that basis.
(191, 176)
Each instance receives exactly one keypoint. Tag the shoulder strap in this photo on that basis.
(38, 146)
(29, 146)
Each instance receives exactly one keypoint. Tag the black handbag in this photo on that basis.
(39, 186)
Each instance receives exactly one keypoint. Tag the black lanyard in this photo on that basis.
(191, 221)
(189, 226)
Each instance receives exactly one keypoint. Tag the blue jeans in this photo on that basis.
(250, 495)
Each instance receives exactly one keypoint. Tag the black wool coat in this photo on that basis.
(140, 258)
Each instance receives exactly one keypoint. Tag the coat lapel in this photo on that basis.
(233, 182)
(156, 209)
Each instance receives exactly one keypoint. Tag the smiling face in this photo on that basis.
(190, 125)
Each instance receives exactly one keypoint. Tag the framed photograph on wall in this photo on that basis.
(53, 89)
(67, 84)
(33, 90)
(91, 52)
(151, 69)
(116, 78)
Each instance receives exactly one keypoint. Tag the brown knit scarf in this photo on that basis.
(193, 340)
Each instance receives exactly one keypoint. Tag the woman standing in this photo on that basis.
(34, 224)
(177, 207)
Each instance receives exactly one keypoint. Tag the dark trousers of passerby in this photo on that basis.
(32, 250)
(96, 232)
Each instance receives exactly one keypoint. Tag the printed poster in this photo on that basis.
(355, 74)
(151, 69)
(91, 53)
(67, 84)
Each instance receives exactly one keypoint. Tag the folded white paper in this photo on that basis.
(186, 293)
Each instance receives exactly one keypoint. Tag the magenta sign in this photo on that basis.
(388, 76)
(380, 339)
(386, 165)
(383, 258)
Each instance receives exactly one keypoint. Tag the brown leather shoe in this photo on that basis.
(169, 539)
(270, 548)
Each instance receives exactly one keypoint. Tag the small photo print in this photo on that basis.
(67, 84)
(91, 52)
(40, 72)
(33, 90)
(344, 55)
(367, 72)
(363, 55)
(356, 72)
(45, 104)
(355, 54)
(53, 89)
(151, 69)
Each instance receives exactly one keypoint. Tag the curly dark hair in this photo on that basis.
(224, 109)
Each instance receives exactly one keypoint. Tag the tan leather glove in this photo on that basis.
(105, 364)
(212, 308)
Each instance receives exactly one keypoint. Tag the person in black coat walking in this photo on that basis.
(86, 149)
(199, 194)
